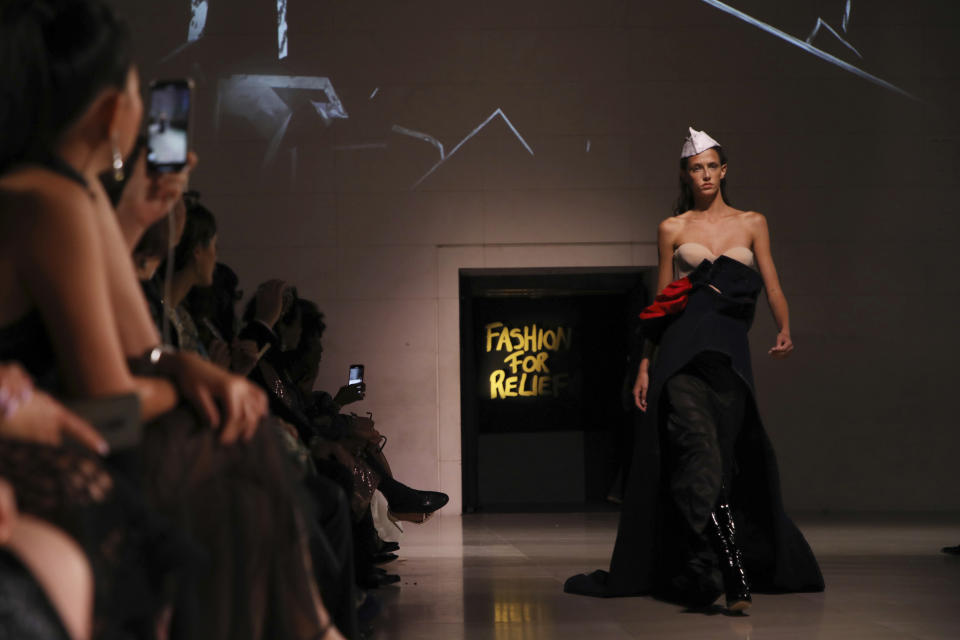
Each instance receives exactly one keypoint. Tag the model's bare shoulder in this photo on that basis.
(754, 219)
(671, 226)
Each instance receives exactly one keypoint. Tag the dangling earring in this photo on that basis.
(117, 164)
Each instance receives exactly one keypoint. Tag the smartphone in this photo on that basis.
(356, 374)
(168, 124)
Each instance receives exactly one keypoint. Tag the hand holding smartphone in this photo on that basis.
(354, 390)
(356, 374)
(168, 125)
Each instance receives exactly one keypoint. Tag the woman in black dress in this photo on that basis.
(704, 491)
(235, 564)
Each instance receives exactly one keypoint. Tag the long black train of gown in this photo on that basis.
(647, 555)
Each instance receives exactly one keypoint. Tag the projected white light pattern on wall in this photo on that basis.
(198, 22)
(446, 156)
(809, 48)
(816, 30)
(844, 23)
(198, 19)
(255, 99)
(419, 135)
(281, 29)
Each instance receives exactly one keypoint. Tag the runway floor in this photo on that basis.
(500, 577)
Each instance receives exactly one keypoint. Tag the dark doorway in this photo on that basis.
(544, 377)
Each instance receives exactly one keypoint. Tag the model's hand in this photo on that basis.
(210, 389)
(784, 346)
(640, 388)
(349, 393)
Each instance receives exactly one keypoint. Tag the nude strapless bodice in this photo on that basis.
(689, 255)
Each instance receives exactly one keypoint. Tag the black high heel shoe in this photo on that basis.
(411, 505)
(723, 535)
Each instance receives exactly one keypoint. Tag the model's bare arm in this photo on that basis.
(667, 232)
(775, 296)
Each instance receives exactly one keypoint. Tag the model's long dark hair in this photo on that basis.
(685, 200)
(55, 56)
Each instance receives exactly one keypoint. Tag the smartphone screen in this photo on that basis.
(356, 374)
(168, 123)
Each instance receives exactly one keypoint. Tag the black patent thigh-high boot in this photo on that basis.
(723, 534)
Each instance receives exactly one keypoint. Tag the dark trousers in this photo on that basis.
(707, 402)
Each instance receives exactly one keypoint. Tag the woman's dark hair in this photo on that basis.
(55, 56)
(155, 241)
(685, 199)
(302, 362)
(216, 304)
(291, 308)
(311, 321)
(198, 231)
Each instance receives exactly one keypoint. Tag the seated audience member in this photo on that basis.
(354, 433)
(273, 322)
(214, 314)
(194, 259)
(149, 207)
(143, 198)
(212, 309)
(73, 314)
(46, 584)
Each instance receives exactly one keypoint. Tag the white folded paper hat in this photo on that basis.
(697, 142)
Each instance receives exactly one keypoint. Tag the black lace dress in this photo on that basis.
(25, 611)
(131, 551)
(181, 523)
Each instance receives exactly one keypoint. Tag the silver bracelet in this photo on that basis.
(154, 355)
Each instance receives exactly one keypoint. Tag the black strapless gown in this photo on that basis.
(651, 551)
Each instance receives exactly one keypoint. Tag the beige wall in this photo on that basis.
(858, 183)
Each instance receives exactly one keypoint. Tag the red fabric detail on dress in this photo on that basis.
(672, 300)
